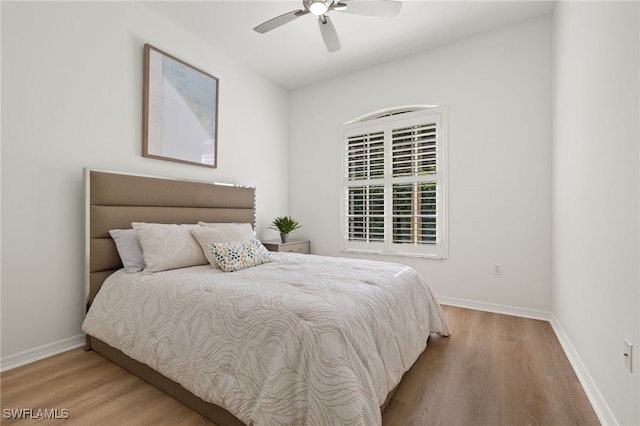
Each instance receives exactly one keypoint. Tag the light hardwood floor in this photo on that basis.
(493, 370)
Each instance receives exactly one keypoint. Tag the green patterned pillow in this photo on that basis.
(239, 255)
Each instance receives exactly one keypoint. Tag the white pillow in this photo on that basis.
(208, 233)
(230, 232)
(168, 246)
(129, 249)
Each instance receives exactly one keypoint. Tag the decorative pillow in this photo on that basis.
(225, 233)
(168, 246)
(129, 249)
(235, 256)
(230, 232)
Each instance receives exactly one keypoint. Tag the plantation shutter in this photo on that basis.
(394, 184)
(413, 163)
(365, 156)
(365, 163)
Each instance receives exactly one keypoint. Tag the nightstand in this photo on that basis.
(292, 246)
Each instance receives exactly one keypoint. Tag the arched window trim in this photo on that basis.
(388, 112)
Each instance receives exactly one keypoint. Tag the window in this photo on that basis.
(394, 190)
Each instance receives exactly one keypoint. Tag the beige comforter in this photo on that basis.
(302, 340)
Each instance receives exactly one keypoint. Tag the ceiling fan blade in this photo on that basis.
(329, 34)
(279, 21)
(384, 8)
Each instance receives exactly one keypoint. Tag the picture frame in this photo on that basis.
(180, 117)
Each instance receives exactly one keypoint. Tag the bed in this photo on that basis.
(289, 339)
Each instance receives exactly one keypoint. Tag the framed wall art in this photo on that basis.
(180, 120)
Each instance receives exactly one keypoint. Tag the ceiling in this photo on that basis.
(294, 55)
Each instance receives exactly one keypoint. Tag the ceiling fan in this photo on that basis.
(320, 8)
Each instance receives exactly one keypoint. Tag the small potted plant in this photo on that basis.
(285, 225)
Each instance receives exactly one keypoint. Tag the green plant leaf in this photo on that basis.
(285, 224)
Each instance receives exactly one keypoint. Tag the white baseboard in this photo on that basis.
(41, 352)
(495, 308)
(598, 403)
(600, 406)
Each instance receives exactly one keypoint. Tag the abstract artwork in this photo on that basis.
(180, 110)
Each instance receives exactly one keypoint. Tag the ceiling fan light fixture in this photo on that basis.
(321, 8)
(318, 7)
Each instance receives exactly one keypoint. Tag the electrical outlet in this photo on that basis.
(628, 355)
(497, 269)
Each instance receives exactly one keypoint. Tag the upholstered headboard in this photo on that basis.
(114, 200)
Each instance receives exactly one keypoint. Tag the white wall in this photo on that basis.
(72, 97)
(498, 89)
(596, 192)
